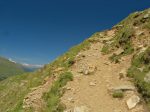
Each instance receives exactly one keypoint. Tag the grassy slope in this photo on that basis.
(141, 60)
(8, 68)
(13, 89)
(124, 39)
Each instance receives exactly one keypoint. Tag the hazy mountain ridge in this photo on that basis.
(9, 68)
(130, 38)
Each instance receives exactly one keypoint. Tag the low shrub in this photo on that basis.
(105, 49)
(53, 96)
(115, 58)
(139, 61)
(118, 94)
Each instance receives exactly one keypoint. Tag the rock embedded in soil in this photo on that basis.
(92, 83)
(124, 88)
(147, 77)
(81, 109)
(133, 101)
(87, 69)
(122, 74)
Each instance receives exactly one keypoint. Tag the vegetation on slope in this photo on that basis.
(133, 37)
(14, 89)
(138, 70)
(53, 96)
(8, 68)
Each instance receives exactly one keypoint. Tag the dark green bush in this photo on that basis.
(118, 94)
(141, 60)
(105, 49)
(115, 58)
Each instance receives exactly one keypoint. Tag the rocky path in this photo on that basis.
(94, 78)
(34, 99)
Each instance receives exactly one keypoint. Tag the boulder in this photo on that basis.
(122, 74)
(138, 33)
(92, 83)
(68, 88)
(146, 16)
(142, 50)
(118, 26)
(119, 51)
(59, 69)
(81, 109)
(107, 63)
(91, 69)
(141, 69)
(87, 69)
(71, 100)
(69, 110)
(86, 72)
(80, 56)
(117, 110)
(147, 77)
(124, 88)
(133, 101)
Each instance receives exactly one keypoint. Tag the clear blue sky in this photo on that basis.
(37, 31)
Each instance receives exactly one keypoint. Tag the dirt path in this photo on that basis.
(91, 91)
(34, 99)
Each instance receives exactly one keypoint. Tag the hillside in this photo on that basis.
(108, 72)
(8, 68)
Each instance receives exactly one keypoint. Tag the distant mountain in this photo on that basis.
(99, 70)
(9, 68)
(31, 67)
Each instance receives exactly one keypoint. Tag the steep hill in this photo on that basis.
(109, 72)
(8, 68)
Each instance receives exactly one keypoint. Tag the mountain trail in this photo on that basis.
(91, 92)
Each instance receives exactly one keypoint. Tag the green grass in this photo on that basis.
(147, 25)
(105, 49)
(135, 19)
(121, 40)
(67, 59)
(141, 61)
(118, 94)
(53, 96)
(8, 68)
(14, 89)
(115, 58)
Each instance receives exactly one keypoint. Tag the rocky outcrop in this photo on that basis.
(133, 101)
(92, 84)
(78, 109)
(122, 74)
(119, 51)
(147, 77)
(124, 88)
(81, 109)
(87, 69)
(34, 99)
